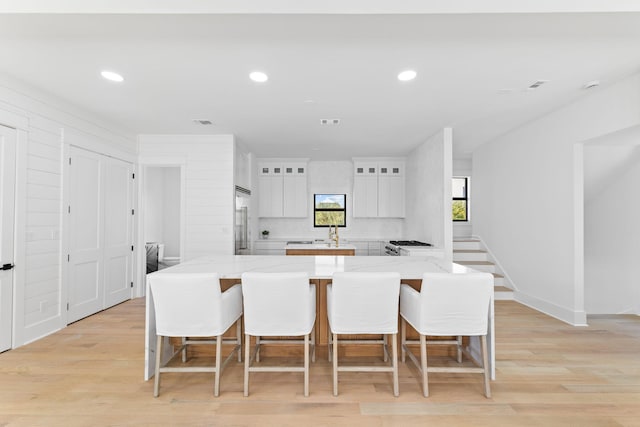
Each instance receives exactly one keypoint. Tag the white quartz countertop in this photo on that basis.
(320, 246)
(318, 267)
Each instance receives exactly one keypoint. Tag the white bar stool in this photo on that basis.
(192, 305)
(278, 304)
(448, 305)
(364, 303)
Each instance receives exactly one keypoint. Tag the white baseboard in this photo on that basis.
(575, 318)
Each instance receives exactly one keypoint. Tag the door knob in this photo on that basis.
(7, 266)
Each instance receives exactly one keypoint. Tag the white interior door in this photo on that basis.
(7, 209)
(118, 252)
(86, 236)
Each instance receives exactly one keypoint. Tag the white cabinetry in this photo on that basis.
(391, 189)
(378, 189)
(366, 247)
(375, 248)
(268, 247)
(270, 193)
(362, 247)
(295, 190)
(282, 189)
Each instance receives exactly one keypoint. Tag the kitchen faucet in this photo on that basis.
(333, 235)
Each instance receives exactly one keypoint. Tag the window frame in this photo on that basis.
(465, 199)
(343, 210)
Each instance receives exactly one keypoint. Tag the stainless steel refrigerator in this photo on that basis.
(242, 234)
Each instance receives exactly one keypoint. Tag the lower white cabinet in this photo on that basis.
(366, 247)
(362, 247)
(269, 247)
(375, 248)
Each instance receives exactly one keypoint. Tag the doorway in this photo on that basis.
(162, 207)
(7, 217)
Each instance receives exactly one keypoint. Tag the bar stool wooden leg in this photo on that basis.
(156, 382)
(403, 339)
(423, 365)
(394, 360)
(335, 364)
(247, 360)
(485, 366)
(313, 344)
(239, 338)
(385, 347)
(459, 349)
(216, 380)
(306, 365)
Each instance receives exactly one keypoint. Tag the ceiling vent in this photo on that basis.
(537, 84)
(202, 122)
(329, 121)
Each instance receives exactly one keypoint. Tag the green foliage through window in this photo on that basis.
(330, 209)
(460, 193)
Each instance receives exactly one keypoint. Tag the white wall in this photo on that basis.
(524, 205)
(172, 212)
(612, 246)
(332, 177)
(209, 187)
(46, 127)
(428, 198)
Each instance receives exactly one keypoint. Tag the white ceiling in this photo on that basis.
(179, 67)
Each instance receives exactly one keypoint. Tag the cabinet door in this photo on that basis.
(391, 197)
(295, 196)
(374, 248)
(118, 236)
(365, 196)
(270, 196)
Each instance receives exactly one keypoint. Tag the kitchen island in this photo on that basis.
(319, 249)
(320, 270)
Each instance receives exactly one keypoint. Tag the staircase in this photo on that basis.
(471, 253)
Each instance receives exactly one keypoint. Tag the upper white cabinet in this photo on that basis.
(282, 189)
(378, 188)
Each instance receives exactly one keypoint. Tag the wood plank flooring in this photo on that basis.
(548, 374)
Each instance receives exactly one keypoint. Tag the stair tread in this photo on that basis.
(474, 263)
(502, 289)
(469, 251)
(497, 276)
(466, 240)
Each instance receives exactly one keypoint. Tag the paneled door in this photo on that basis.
(101, 232)
(118, 256)
(7, 209)
(86, 234)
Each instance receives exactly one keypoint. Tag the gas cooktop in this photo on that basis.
(408, 243)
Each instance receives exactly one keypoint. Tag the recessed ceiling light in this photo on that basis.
(258, 76)
(537, 84)
(113, 76)
(591, 84)
(407, 75)
(204, 122)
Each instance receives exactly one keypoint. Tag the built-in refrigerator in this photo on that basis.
(242, 218)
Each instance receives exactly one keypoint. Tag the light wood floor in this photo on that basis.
(548, 374)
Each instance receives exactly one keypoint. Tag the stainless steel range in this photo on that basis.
(402, 247)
